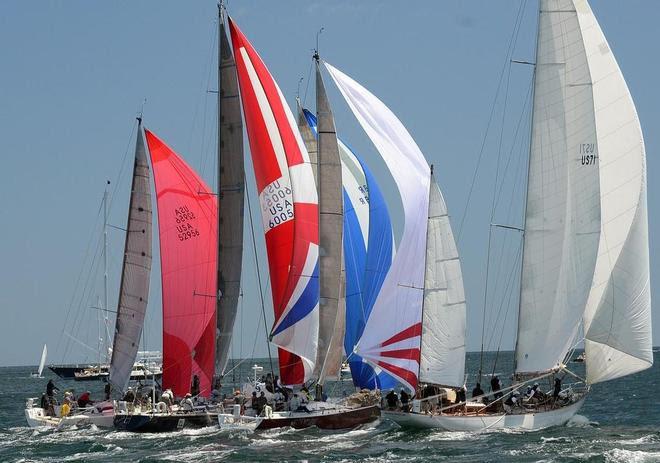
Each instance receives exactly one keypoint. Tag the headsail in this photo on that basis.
(231, 180)
(136, 272)
(617, 320)
(442, 358)
(391, 338)
(289, 208)
(368, 251)
(187, 223)
(331, 217)
(562, 222)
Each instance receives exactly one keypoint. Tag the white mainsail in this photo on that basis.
(442, 358)
(617, 319)
(391, 337)
(562, 219)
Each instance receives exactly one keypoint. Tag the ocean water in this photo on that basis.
(620, 422)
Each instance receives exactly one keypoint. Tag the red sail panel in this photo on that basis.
(289, 207)
(187, 227)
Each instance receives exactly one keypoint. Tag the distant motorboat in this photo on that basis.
(579, 358)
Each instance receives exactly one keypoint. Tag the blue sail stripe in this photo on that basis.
(304, 305)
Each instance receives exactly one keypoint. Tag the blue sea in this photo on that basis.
(620, 422)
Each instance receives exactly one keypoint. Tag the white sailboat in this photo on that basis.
(42, 362)
(585, 248)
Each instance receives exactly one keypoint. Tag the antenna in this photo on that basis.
(316, 50)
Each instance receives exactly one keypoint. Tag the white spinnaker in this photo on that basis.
(617, 319)
(442, 359)
(42, 362)
(391, 336)
(562, 220)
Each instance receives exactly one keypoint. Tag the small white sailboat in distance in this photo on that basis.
(42, 363)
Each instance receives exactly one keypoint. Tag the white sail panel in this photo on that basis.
(562, 219)
(617, 318)
(42, 362)
(442, 359)
(391, 337)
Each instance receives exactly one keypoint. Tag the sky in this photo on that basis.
(74, 74)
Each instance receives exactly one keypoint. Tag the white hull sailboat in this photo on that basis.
(523, 420)
(585, 265)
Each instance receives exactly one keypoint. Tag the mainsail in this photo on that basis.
(289, 210)
(136, 272)
(617, 320)
(368, 251)
(391, 338)
(562, 220)
(42, 361)
(187, 223)
(329, 174)
(231, 181)
(442, 358)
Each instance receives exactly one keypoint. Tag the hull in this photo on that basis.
(326, 419)
(155, 423)
(37, 418)
(522, 421)
(67, 371)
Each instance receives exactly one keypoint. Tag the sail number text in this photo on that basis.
(588, 154)
(185, 229)
(276, 204)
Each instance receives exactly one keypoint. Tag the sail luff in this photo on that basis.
(331, 217)
(309, 138)
(136, 272)
(562, 218)
(442, 357)
(231, 188)
(617, 318)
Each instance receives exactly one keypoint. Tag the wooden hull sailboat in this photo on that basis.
(523, 419)
(585, 243)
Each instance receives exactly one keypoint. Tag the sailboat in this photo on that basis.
(303, 231)
(42, 362)
(133, 297)
(585, 245)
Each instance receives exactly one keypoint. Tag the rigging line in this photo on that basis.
(118, 178)
(309, 75)
(93, 270)
(492, 214)
(209, 67)
(261, 294)
(79, 278)
(510, 47)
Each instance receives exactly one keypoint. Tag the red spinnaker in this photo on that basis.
(187, 226)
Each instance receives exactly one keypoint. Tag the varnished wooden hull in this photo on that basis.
(326, 419)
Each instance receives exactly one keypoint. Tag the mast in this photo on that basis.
(105, 263)
(529, 159)
(426, 255)
(231, 190)
(330, 191)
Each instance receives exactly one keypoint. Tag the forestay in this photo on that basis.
(442, 359)
(136, 272)
(562, 221)
(391, 338)
(368, 250)
(617, 319)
